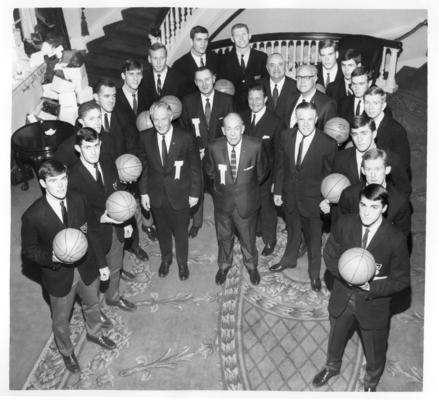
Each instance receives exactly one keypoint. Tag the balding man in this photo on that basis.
(306, 79)
(237, 165)
(280, 89)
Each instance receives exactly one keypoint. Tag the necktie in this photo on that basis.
(207, 111)
(299, 153)
(99, 176)
(364, 238)
(357, 110)
(233, 163)
(328, 79)
(202, 62)
(164, 150)
(106, 123)
(159, 85)
(253, 121)
(135, 103)
(275, 95)
(65, 217)
(242, 63)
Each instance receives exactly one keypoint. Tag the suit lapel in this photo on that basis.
(225, 154)
(291, 150)
(155, 145)
(50, 215)
(171, 153)
(242, 156)
(379, 237)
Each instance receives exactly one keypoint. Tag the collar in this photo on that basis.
(279, 84)
(167, 135)
(307, 138)
(259, 114)
(127, 91)
(54, 203)
(309, 96)
(379, 119)
(210, 97)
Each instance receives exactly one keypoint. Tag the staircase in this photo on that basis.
(123, 39)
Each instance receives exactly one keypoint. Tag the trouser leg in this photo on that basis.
(294, 229)
(90, 306)
(164, 232)
(114, 260)
(225, 236)
(312, 232)
(246, 228)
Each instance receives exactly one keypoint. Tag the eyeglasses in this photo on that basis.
(305, 77)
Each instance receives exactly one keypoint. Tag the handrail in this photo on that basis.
(225, 23)
(413, 30)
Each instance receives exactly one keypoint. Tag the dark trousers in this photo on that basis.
(312, 232)
(374, 344)
(226, 224)
(267, 216)
(198, 210)
(62, 306)
(170, 222)
(114, 261)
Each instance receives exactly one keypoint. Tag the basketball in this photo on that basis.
(332, 187)
(129, 167)
(175, 105)
(356, 266)
(121, 205)
(337, 128)
(143, 121)
(70, 245)
(225, 86)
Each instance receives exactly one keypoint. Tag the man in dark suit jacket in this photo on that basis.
(243, 66)
(170, 184)
(197, 57)
(328, 70)
(96, 178)
(237, 165)
(306, 85)
(203, 113)
(161, 80)
(59, 209)
(348, 161)
(340, 88)
(280, 89)
(391, 135)
(261, 123)
(366, 306)
(305, 157)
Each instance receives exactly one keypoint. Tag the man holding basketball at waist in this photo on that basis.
(367, 305)
(50, 214)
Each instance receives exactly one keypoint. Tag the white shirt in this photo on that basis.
(168, 138)
(246, 57)
(162, 77)
(359, 159)
(198, 59)
(372, 230)
(279, 84)
(237, 152)
(347, 87)
(378, 120)
(306, 143)
(361, 105)
(129, 95)
(259, 115)
(91, 168)
(103, 113)
(308, 98)
(210, 97)
(332, 73)
(56, 206)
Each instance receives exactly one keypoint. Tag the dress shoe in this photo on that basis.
(368, 388)
(193, 231)
(141, 254)
(255, 278)
(323, 377)
(105, 321)
(127, 275)
(316, 284)
(123, 304)
(183, 272)
(103, 341)
(278, 267)
(268, 249)
(71, 363)
(164, 269)
(150, 232)
(221, 276)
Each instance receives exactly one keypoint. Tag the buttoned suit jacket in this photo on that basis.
(300, 188)
(337, 90)
(123, 107)
(346, 164)
(230, 68)
(286, 97)
(398, 212)
(40, 224)
(243, 193)
(339, 77)
(326, 109)
(389, 249)
(346, 108)
(160, 182)
(193, 108)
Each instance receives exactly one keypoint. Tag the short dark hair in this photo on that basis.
(157, 46)
(198, 29)
(375, 154)
(203, 68)
(373, 90)
(363, 120)
(155, 32)
(84, 108)
(86, 135)
(375, 192)
(304, 105)
(360, 71)
(238, 26)
(257, 87)
(325, 44)
(50, 168)
(352, 54)
(130, 65)
(103, 82)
